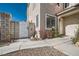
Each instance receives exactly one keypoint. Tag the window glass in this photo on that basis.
(66, 5)
(50, 21)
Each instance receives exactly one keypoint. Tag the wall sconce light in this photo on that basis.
(58, 4)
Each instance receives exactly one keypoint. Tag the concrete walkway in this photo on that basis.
(62, 44)
(68, 48)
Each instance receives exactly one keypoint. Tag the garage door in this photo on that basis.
(71, 30)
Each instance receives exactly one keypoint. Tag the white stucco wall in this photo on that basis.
(33, 11)
(23, 30)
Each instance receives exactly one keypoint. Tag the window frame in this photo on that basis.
(46, 21)
(67, 5)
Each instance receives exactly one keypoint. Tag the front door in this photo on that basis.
(31, 29)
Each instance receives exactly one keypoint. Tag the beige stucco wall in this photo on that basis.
(61, 26)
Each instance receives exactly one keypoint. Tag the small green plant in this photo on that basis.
(60, 35)
(53, 32)
(76, 39)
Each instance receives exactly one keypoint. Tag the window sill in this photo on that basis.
(49, 28)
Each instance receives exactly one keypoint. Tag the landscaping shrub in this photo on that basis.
(76, 39)
(60, 35)
(53, 32)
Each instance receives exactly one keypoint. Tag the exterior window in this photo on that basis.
(66, 5)
(50, 21)
(37, 21)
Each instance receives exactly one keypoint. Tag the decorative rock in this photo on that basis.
(35, 38)
(77, 44)
(32, 38)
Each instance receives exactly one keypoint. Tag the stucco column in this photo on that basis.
(61, 25)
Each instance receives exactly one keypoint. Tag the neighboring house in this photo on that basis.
(23, 31)
(68, 19)
(5, 19)
(44, 16)
(14, 30)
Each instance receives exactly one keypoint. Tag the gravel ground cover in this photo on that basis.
(41, 51)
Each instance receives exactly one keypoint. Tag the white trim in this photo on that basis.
(66, 10)
(46, 21)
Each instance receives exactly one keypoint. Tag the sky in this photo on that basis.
(17, 10)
